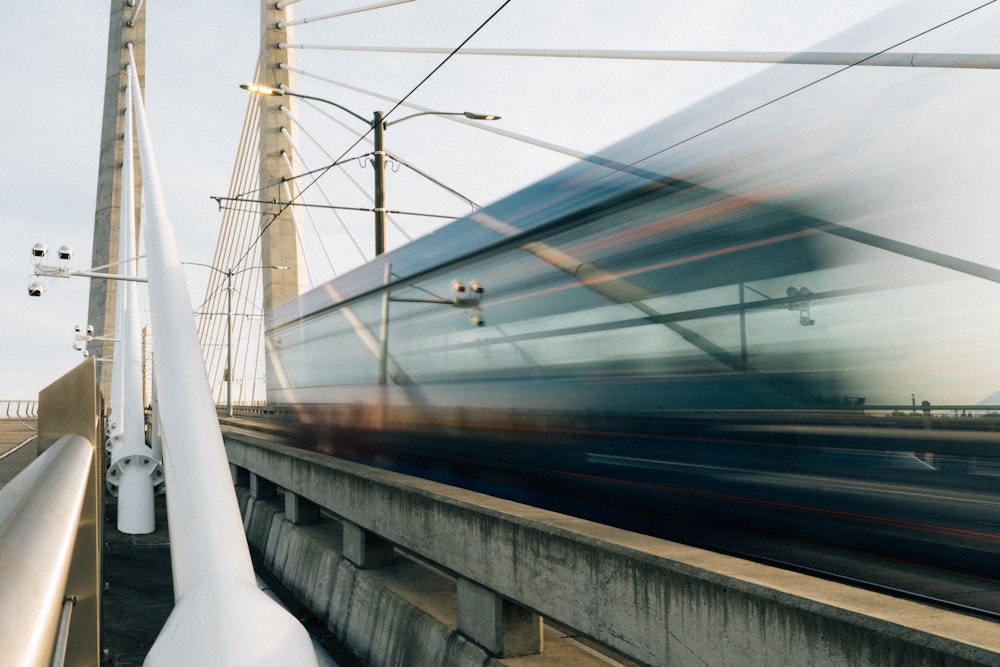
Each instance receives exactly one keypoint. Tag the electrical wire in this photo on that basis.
(386, 115)
(810, 84)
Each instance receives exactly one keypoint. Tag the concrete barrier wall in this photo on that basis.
(658, 602)
(378, 626)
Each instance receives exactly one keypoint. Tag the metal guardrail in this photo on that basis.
(40, 516)
(18, 409)
(50, 521)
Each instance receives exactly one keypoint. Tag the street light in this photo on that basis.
(378, 125)
(229, 273)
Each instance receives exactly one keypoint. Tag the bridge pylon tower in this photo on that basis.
(127, 26)
(279, 244)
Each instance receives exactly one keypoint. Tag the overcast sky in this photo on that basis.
(198, 53)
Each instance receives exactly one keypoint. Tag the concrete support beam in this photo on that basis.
(365, 549)
(505, 629)
(262, 488)
(300, 511)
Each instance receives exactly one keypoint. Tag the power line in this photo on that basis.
(821, 79)
(384, 116)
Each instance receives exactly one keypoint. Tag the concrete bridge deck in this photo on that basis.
(138, 595)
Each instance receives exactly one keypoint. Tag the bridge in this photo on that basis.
(717, 393)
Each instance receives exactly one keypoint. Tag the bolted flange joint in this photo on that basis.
(132, 465)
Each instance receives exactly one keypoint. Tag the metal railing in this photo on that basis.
(18, 409)
(40, 513)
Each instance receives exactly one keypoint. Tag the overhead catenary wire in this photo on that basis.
(340, 220)
(331, 207)
(394, 156)
(812, 83)
(236, 234)
(286, 186)
(385, 116)
(296, 222)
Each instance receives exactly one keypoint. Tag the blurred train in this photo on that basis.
(674, 341)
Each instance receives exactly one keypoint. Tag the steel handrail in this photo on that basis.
(23, 409)
(39, 519)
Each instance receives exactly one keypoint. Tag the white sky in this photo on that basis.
(198, 53)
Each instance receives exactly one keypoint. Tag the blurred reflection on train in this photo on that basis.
(688, 338)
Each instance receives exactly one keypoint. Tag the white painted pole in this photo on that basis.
(220, 616)
(133, 472)
(155, 433)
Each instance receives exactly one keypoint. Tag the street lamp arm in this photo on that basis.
(259, 89)
(277, 92)
(364, 120)
(378, 125)
(468, 114)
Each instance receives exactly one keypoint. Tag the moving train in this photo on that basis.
(679, 342)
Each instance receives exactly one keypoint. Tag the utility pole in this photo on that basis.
(378, 124)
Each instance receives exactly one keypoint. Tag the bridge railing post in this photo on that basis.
(262, 488)
(364, 548)
(300, 511)
(502, 627)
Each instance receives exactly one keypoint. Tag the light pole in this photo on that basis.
(229, 273)
(378, 125)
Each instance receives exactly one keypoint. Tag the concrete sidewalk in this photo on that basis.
(138, 588)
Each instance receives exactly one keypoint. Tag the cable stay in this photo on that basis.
(831, 58)
(346, 12)
(327, 206)
(308, 212)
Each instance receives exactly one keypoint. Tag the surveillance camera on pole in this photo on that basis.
(65, 253)
(466, 296)
(39, 250)
(36, 289)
